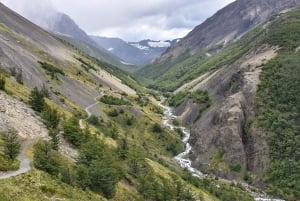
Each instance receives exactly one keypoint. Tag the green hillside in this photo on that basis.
(123, 151)
(277, 107)
(171, 75)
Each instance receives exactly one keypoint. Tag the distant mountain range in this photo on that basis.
(138, 53)
(114, 51)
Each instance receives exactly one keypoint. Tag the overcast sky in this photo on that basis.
(131, 20)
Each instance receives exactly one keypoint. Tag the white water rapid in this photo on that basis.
(181, 158)
(185, 162)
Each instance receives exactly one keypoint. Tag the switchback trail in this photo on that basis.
(88, 112)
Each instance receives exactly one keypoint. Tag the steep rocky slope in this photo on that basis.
(17, 116)
(251, 130)
(68, 30)
(215, 33)
(228, 24)
(23, 44)
(234, 88)
(123, 151)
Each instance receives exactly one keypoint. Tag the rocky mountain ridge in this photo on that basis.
(136, 53)
(227, 25)
(219, 31)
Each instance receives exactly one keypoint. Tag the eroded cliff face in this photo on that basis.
(222, 140)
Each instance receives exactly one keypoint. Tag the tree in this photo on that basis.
(135, 161)
(2, 82)
(45, 158)
(97, 168)
(12, 146)
(104, 174)
(123, 148)
(82, 176)
(51, 116)
(54, 139)
(36, 100)
(91, 150)
(45, 91)
(73, 133)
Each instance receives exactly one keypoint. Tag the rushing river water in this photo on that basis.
(185, 162)
(182, 158)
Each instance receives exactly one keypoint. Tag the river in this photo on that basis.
(183, 158)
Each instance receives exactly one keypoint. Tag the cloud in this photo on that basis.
(38, 12)
(130, 19)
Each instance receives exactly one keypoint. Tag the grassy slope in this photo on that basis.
(277, 103)
(277, 107)
(170, 76)
(37, 185)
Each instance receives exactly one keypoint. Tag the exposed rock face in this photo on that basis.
(222, 129)
(63, 24)
(16, 115)
(226, 25)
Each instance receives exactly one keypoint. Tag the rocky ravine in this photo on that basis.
(16, 115)
(221, 130)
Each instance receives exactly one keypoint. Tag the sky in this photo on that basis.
(131, 20)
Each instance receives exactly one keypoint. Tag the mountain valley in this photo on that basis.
(213, 116)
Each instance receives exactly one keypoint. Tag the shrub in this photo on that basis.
(50, 69)
(94, 120)
(113, 113)
(2, 82)
(176, 99)
(110, 100)
(156, 128)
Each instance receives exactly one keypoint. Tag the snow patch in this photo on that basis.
(110, 49)
(208, 54)
(125, 63)
(141, 47)
(159, 44)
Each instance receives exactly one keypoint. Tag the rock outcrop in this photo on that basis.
(16, 115)
(221, 140)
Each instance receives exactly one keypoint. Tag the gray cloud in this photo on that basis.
(131, 19)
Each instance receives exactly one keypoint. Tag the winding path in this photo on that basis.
(24, 161)
(88, 112)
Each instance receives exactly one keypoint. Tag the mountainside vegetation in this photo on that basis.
(276, 111)
(191, 54)
(277, 107)
(121, 153)
(105, 143)
(170, 76)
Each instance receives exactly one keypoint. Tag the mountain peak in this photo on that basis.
(227, 25)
